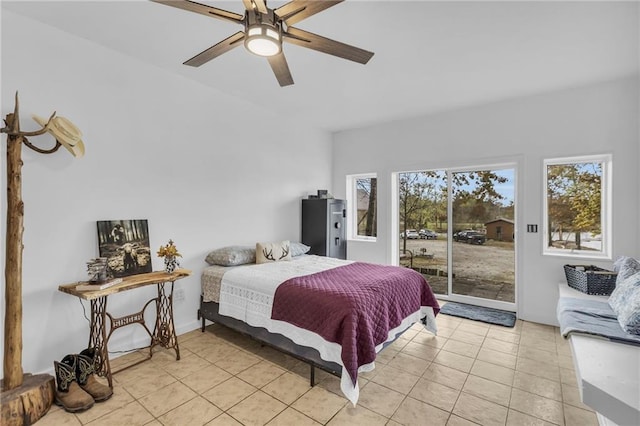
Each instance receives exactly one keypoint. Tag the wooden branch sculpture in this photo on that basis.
(68, 136)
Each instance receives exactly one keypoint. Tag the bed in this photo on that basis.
(333, 314)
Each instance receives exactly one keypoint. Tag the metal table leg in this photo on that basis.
(164, 333)
(98, 337)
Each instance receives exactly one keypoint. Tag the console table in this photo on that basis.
(164, 332)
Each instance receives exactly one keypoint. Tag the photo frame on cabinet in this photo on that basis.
(125, 243)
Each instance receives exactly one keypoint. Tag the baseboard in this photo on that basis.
(538, 318)
(129, 346)
(185, 328)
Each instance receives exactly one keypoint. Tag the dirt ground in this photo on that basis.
(486, 270)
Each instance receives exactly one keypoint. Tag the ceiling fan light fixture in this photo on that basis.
(263, 40)
(265, 30)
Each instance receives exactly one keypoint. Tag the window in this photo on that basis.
(363, 206)
(577, 206)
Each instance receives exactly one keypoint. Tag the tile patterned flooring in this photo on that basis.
(471, 373)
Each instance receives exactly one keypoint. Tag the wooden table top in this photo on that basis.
(128, 283)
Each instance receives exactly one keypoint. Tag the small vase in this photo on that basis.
(170, 264)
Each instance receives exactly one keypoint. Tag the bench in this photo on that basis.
(608, 373)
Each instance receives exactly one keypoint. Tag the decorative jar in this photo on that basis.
(171, 263)
(170, 255)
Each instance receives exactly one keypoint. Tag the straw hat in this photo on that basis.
(65, 132)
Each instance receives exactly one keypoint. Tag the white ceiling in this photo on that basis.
(429, 56)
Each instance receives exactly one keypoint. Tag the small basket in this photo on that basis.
(590, 279)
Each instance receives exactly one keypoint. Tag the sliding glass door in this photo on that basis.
(457, 228)
(483, 234)
(423, 219)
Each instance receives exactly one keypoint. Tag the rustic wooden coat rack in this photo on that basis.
(25, 397)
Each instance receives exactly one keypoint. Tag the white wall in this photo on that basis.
(601, 118)
(159, 147)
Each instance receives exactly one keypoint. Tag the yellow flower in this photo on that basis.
(169, 250)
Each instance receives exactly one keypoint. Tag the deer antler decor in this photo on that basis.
(268, 254)
(37, 391)
(285, 252)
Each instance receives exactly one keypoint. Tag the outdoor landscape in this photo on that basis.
(485, 271)
(482, 225)
(482, 230)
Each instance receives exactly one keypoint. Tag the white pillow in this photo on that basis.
(298, 249)
(273, 252)
(626, 267)
(628, 308)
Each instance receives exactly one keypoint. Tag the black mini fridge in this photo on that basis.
(324, 226)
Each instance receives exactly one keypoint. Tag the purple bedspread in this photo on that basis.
(353, 305)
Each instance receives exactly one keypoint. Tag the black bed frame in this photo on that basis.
(209, 311)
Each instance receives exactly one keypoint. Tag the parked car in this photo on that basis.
(470, 236)
(476, 238)
(412, 234)
(427, 234)
(461, 235)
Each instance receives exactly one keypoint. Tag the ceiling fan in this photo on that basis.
(265, 29)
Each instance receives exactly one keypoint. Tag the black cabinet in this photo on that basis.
(324, 223)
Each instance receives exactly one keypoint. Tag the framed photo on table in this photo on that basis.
(125, 243)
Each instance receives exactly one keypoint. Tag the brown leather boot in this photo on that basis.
(68, 392)
(85, 369)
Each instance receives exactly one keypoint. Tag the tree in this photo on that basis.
(574, 199)
(475, 197)
(367, 190)
(481, 182)
(371, 228)
(412, 190)
(424, 195)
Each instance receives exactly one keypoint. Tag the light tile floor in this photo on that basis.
(471, 373)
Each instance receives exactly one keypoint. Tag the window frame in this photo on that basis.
(606, 207)
(352, 207)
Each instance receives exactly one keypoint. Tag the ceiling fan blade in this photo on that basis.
(203, 9)
(297, 10)
(216, 50)
(260, 5)
(281, 69)
(321, 44)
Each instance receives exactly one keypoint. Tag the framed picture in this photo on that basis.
(125, 243)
